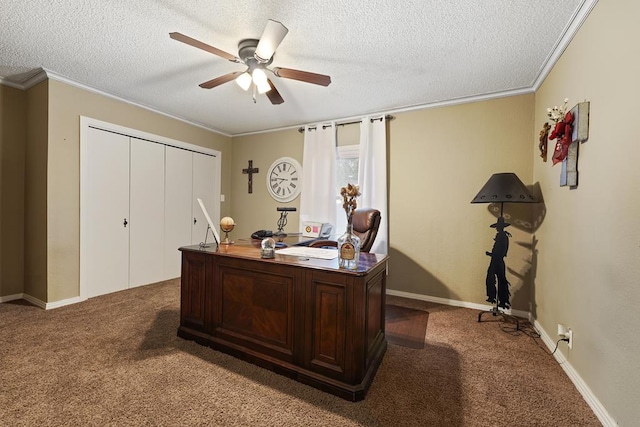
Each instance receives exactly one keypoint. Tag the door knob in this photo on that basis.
(125, 223)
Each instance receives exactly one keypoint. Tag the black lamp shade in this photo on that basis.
(504, 187)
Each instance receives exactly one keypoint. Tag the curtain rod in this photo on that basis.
(387, 117)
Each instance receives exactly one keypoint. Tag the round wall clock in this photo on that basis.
(284, 179)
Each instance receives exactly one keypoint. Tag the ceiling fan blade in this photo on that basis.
(271, 38)
(220, 80)
(303, 76)
(273, 95)
(196, 43)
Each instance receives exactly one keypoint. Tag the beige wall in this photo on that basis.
(66, 105)
(257, 210)
(35, 192)
(589, 244)
(13, 110)
(584, 269)
(438, 161)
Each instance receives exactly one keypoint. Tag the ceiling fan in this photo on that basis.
(257, 55)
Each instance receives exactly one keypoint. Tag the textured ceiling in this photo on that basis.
(382, 55)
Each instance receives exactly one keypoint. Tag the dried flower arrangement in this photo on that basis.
(556, 114)
(349, 194)
(562, 128)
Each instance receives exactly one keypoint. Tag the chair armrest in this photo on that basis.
(323, 243)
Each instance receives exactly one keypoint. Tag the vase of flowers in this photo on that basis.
(349, 243)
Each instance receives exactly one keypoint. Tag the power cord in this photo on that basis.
(557, 343)
(522, 328)
(527, 329)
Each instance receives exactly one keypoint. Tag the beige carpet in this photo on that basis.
(115, 360)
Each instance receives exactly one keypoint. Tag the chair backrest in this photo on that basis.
(365, 225)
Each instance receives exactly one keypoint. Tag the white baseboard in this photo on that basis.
(39, 303)
(35, 301)
(62, 303)
(599, 410)
(8, 298)
(603, 415)
(456, 303)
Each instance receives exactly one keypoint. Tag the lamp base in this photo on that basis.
(495, 311)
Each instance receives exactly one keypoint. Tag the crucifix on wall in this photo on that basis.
(250, 171)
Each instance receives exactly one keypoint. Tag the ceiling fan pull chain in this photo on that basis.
(254, 94)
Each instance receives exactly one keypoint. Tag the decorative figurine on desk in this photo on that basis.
(283, 221)
(268, 248)
(227, 224)
(496, 268)
(349, 243)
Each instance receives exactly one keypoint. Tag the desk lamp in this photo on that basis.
(501, 188)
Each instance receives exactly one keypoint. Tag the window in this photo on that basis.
(347, 162)
(347, 165)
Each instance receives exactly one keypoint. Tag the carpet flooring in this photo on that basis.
(115, 360)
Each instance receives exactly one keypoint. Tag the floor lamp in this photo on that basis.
(501, 188)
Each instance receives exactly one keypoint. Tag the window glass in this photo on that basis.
(346, 172)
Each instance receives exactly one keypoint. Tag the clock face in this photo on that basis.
(284, 179)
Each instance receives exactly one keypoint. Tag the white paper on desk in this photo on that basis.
(308, 252)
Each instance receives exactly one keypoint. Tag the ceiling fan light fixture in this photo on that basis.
(244, 81)
(271, 38)
(260, 80)
(256, 55)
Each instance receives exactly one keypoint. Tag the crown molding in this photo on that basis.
(57, 77)
(569, 32)
(447, 103)
(9, 83)
(38, 76)
(45, 74)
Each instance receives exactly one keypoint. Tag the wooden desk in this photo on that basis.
(305, 319)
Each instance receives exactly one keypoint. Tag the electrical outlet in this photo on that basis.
(566, 334)
(562, 331)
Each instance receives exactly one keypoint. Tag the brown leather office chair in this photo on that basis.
(365, 225)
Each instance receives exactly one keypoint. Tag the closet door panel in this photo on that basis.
(106, 216)
(146, 234)
(204, 176)
(177, 207)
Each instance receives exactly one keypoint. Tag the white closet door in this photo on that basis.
(178, 196)
(204, 176)
(146, 234)
(106, 218)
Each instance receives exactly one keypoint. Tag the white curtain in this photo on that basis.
(372, 175)
(318, 196)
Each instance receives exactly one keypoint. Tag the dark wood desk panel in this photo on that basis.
(252, 306)
(305, 319)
